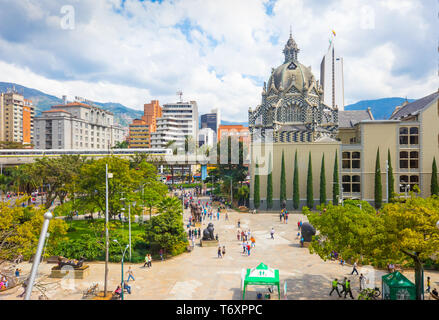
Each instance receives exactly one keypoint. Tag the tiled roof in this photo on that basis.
(349, 118)
(415, 107)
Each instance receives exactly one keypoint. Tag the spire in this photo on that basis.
(291, 50)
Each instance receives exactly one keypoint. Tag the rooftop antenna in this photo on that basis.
(291, 31)
(180, 93)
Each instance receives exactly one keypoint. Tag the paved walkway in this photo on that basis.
(201, 275)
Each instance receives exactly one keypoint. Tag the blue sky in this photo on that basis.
(218, 53)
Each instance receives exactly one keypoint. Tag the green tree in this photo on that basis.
(404, 233)
(121, 145)
(434, 188)
(296, 194)
(391, 185)
(166, 229)
(269, 185)
(256, 194)
(378, 185)
(322, 182)
(283, 182)
(335, 182)
(243, 193)
(309, 186)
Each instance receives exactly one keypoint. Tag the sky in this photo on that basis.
(218, 53)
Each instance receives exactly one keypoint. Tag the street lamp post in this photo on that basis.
(107, 176)
(122, 283)
(47, 216)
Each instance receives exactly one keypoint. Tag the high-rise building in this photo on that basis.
(152, 111)
(206, 136)
(76, 125)
(331, 78)
(139, 136)
(16, 118)
(178, 121)
(211, 120)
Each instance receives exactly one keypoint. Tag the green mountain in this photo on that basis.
(381, 108)
(42, 101)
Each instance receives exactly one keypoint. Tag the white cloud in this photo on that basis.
(133, 53)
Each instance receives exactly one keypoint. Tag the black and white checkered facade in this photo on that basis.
(292, 104)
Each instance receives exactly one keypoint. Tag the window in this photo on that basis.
(351, 160)
(409, 159)
(407, 183)
(409, 135)
(351, 184)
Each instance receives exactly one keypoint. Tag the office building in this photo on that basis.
(139, 135)
(152, 111)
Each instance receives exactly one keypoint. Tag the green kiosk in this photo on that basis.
(397, 287)
(262, 275)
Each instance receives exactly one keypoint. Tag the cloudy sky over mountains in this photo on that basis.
(218, 53)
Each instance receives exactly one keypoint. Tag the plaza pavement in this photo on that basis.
(201, 275)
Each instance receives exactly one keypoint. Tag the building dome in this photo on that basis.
(292, 72)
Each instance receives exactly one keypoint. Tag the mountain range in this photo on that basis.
(381, 108)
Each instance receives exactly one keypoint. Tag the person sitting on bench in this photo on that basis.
(118, 291)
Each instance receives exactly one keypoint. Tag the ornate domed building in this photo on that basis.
(292, 104)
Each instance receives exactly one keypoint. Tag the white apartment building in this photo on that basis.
(206, 136)
(178, 121)
(77, 125)
(331, 79)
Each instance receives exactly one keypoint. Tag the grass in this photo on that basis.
(78, 228)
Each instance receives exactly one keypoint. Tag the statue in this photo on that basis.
(208, 233)
(76, 264)
(308, 231)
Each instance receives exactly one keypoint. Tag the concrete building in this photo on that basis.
(76, 125)
(301, 123)
(16, 118)
(211, 120)
(178, 121)
(332, 80)
(206, 136)
(139, 135)
(152, 111)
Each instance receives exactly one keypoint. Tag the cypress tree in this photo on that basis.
(269, 185)
(283, 182)
(256, 195)
(323, 182)
(391, 186)
(296, 195)
(378, 186)
(434, 185)
(335, 184)
(309, 191)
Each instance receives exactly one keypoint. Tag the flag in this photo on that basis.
(333, 32)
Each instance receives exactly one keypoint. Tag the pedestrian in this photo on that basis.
(272, 233)
(239, 223)
(302, 241)
(362, 282)
(146, 261)
(253, 240)
(161, 254)
(280, 216)
(17, 273)
(238, 234)
(224, 251)
(301, 224)
(343, 285)
(286, 217)
(428, 284)
(219, 252)
(199, 233)
(298, 235)
(195, 232)
(130, 274)
(248, 249)
(244, 247)
(348, 289)
(298, 225)
(217, 216)
(335, 288)
(354, 269)
(127, 287)
(227, 216)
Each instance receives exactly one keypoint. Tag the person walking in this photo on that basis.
(146, 261)
(239, 223)
(253, 240)
(280, 216)
(224, 251)
(218, 216)
(244, 247)
(199, 233)
(428, 285)
(272, 233)
(348, 289)
(248, 249)
(149, 261)
(335, 288)
(362, 282)
(286, 217)
(161, 254)
(219, 252)
(298, 225)
(130, 274)
(238, 235)
(354, 268)
(343, 286)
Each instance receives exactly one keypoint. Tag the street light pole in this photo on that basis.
(122, 283)
(47, 216)
(387, 181)
(129, 226)
(106, 230)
